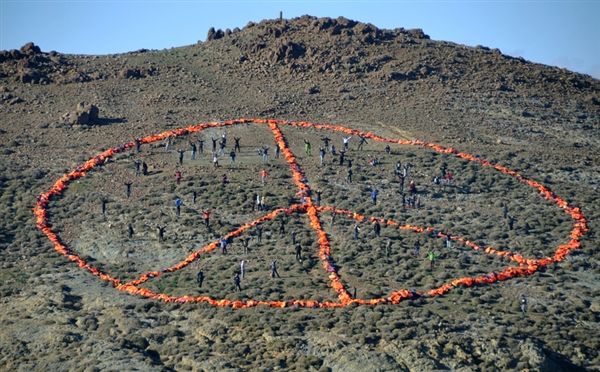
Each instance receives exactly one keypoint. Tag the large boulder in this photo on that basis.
(30, 49)
(84, 114)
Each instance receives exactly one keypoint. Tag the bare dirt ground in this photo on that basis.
(540, 120)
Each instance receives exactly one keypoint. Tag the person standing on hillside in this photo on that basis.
(161, 232)
(346, 141)
(200, 278)
(321, 155)
(201, 145)
(128, 188)
(356, 230)
(138, 167)
(236, 146)
(245, 244)
(236, 282)
(307, 147)
(342, 154)
(178, 204)
(130, 231)
(282, 226)
(277, 151)
(232, 155)
(263, 175)
(362, 142)
(374, 194)
(349, 178)
(144, 168)
(223, 244)
(412, 188)
(181, 152)
(377, 228)
(222, 146)
(178, 176)
(431, 256)
(318, 198)
(326, 141)
(215, 160)
(138, 144)
(242, 269)
(417, 248)
(265, 154)
(259, 231)
(214, 144)
(194, 149)
(206, 218)
(298, 249)
(293, 236)
(103, 202)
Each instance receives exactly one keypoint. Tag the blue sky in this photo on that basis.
(559, 33)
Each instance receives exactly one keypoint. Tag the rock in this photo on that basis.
(130, 73)
(30, 49)
(214, 34)
(29, 75)
(287, 51)
(313, 90)
(84, 114)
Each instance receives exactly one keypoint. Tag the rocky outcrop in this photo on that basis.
(84, 114)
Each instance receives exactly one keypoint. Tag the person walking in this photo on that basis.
(274, 272)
